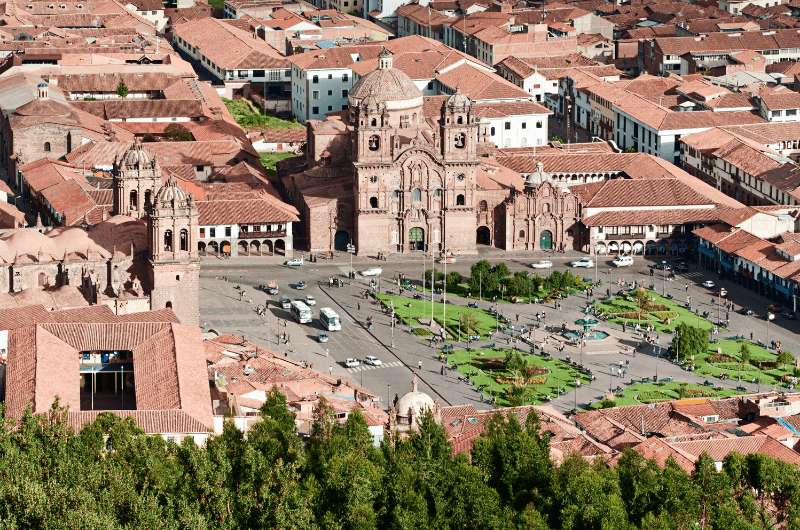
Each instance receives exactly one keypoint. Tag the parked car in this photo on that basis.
(708, 284)
(473, 305)
(372, 360)
(294, 262)
(473, 338)
(447, 259)
(583, 262)
(372, 271)
(661, 266)
(542, 264)
(788, 315)
(623, 261)
(351, 362)
(310, 300)
(681, 266)
(286, 302)
(300, 285)
(322, 337)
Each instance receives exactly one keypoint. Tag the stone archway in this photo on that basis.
(242, 248)
(483, 236)
(266, 247)
(340, 240)
(280, 247)
(201, 248)
(546, 240)
(225, 248)
(416, 238)
(213, 247)
(255, 248)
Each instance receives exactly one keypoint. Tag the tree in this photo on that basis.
(744, 352)
(175, 132)
(453, 280)
(468, 322)
(784, 358)
(122, 89)
(689, 340)
(514, 362)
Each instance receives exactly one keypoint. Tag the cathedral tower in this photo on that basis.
(136, 179)
(174, 263)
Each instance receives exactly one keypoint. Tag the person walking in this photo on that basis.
(419, 365)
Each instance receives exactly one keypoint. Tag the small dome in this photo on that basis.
(76, 241)
(137, 156)
(171, 194)
(414, 403)
(29, 241)
(458, 101)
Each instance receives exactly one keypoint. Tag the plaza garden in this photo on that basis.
(648, 392)
(647, 307)
(459, 321)
(515, 378)
(497, 282)
(737, 359)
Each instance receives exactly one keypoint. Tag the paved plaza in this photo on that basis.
(229, 299)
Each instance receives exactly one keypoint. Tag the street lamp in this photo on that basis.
(351, 249)
(388, 393)
(577, 384)
(391, 304)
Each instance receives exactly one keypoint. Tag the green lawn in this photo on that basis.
(761, 368)
(639, 393)
(666, 310)
(249, 117)
(269, 160)
(411, 311)
(484, 367)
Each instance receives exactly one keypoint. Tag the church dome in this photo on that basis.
(137, 156)
(458, 101)
(387, 84)
(171, 194)
(413, 404)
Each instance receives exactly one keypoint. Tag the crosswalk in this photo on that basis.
(366, 367)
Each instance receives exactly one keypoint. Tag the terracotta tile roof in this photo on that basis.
(517, 108)
(712, 42)
(719, 448)
(779, 100)
(282, 135)
(643, 193)
(250, 208)
(108, 82)
(481, 86)
(654, 217)
(150, 421)
(120, 109)
(229, 47)
(659, 451)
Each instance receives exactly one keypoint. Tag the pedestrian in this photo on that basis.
(686, 287)
(751, 336)
(623, 327)
(330, 369)
(442, 370)
(358, 306)
(419, 365)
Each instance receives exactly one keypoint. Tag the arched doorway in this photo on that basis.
(546, 240)
(340, 240)
(416, 238)
(213, 247)
(280, 247)
(201, 248)
(483, 236)
(243, 249)
(266, 247)
(225, 248)
(255, 248)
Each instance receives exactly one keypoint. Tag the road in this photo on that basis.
(222, 310)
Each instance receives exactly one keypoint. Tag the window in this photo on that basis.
(524, 125)
(460, 200)
(483, 206)
(416, 195)
(47, 147)
(460, 120)
(315, 79)
(460, 141)
(330, 108)
(314, 110)
(492, 131)
(373, 202)
(522, 234)
(134, 200)
(227, 231)
(168, 240)
(460, 177)
(373, 179)
(212, 232)
(330, 76)
(184, 240)
(344, 93)
(507, 125)
(345, 78)
(202, 233)
(315, 94)
(330, 92)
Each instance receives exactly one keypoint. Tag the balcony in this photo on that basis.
(261, 234)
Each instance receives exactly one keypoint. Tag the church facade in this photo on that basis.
(400, 173)
(143, 257)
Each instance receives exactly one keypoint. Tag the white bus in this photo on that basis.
(301, 312)
(329, 319)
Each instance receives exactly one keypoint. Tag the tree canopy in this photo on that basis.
(112, 475)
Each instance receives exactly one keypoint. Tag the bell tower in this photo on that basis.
(459, 129)
(174, 263)
(136, 179)
(373, 133)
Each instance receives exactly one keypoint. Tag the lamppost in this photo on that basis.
(663, 278)
(577, 384)
(595, 264)
(391, 304)
(388, 393)
(351, 249)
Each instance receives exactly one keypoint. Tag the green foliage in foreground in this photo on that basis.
(54, 478)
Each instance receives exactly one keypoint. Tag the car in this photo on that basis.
(661, 266)
(310, 300)
(286, 302)
(294, 262)
(447, 259)
(746, 311)
(681, 266)
(350, 362)
(269, 288)
(788, 315)
(723, 291)
(623, 261)
(300, 285)
(473, 338)
(583, 262)
(372, 271)
(372, 360)
(708, 284)
(542, 264)
(473, 305)
(322, 337)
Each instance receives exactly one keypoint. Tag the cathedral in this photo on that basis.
(399, 172)
(142, 257)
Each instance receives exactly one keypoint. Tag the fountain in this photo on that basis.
(588, 333)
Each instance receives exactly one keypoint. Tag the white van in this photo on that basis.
(623, 261)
